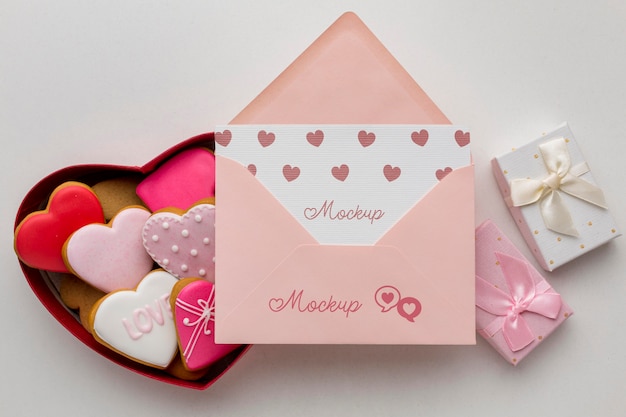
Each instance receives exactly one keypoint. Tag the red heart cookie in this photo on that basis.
(39, 238)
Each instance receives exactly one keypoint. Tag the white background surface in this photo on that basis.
(120, 81)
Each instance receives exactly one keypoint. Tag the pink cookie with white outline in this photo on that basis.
(110, 256)
(183, 245)
(193, 304)
(183, 180)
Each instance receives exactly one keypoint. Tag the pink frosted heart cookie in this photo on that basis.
(110, 256)
(180, 182)
(193, 304)
(139, 323)
(183, 245)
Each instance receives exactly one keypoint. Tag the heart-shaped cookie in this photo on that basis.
(39, 237)
(139, 323)
(110, 256)
(181, 181)
(183, 245)
(193, 304)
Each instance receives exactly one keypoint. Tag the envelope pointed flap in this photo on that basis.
(265, 234)
(347, 294)
(345, 76)
(437, 237)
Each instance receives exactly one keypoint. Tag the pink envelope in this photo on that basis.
(276, 284)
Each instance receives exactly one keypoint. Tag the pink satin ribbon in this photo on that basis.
(524, 295)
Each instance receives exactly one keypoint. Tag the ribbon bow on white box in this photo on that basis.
(561, 177)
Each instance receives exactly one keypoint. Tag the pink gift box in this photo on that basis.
(516, 309)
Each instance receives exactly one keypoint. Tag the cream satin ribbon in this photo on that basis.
(561, 177)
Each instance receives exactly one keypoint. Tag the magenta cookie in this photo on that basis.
(193, 304)
(180, 182)
(183, 245)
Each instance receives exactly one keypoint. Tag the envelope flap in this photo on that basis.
(252, 208)
(345, 76)
(346, 294)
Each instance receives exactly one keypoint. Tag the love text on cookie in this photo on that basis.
(144, 318)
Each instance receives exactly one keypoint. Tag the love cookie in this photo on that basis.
(139, 324)
(110, 256)
(193, 303)
(39, 238)
(183, 245)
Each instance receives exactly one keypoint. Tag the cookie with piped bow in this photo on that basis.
(193, 304)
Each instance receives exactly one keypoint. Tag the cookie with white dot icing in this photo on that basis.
(183, 243)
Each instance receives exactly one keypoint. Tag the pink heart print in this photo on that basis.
(183, 245)
(252, 169)
(366, 139)
(223, 138)
(341, 172)
(315, 138)
(194, 316)
(291, 173)
(391, 173)
(265, 138)
(462, 138)
(110, 257)
(441, 173)
(420, 138)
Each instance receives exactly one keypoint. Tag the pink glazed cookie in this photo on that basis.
(181, 181)
(110, 256)
(183, 245)
(193, 304)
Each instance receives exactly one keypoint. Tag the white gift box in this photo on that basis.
(555, 201)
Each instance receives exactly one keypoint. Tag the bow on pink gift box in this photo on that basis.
(524, 295)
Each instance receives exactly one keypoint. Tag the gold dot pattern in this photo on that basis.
(536, 232)
(540, 337)
(612, 230)
(566, 315)
(551, 261)
(535, 156)
(558, 239)
(505, 172)
(590, 223)
(582, 246)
